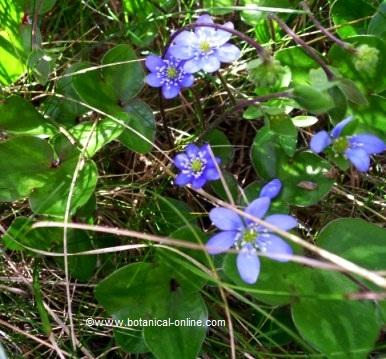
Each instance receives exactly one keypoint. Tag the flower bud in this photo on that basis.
(366, 58)
(265, 73)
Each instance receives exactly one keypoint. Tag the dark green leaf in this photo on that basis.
(139, 117)
(163, 294)
(51, 199)
(305, 168)
(126, 79)
(24, 166)
(31, 122)
(377, 24)
(370, 81)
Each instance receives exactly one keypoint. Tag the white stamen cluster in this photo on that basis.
(259, 244)
(188, 165)
(163, 73)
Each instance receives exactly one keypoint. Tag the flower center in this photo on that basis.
(249, 235)
(340, 145)
(205, 46)
(172, 72)
(196, 165)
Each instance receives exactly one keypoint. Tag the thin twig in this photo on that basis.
(308, 49)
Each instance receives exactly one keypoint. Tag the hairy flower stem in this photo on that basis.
(308, 49)
(339, 42)
(264, 54)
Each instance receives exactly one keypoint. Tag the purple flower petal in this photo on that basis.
(258, 208)
(359, 158)
(212, 174)
(248, 265)
(223, 36)
(197, 183)
(170, 91)
(153, 63)
(275, 247)
(225, 219)
(181, 161)
(282, 221)
(221, 242)
(337, 130)
(191, 150)
(228, 53)
(182, 52)
(211, 63)
(193, 65)
(183, 178)
(153, 80)
(368, 142)
(320, 141)
(187, 80)
(185, 38)
(204, 19)
(271, 189)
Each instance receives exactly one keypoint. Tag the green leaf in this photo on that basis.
(350, 16)
(94, 137)
(31, 123)
(304, 121)
(142, 19)
(217, 5)
(265, 154)
(368, 81)
(51, 199)
(12, 56)
(169, 214)
(126, 79)
(20, 235)
(352, 92)
(25, 162)
(371, 117)
(232, 184)
(81, 267)
(66, 108)
(377, 24)
(38, 6)
(41, 64)
(286, 132)
(305, 179)
(298, 61)
(163, 294)
(288, 282)
(138, 116)
(220, 145)
(339, 329)
(312, 99)
(359, 241)
(90, 87)
(339, 110)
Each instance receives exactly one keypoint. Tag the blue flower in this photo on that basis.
(197, 166)
(167, 73)
(205, 48)
(249, 237)
(357, 148)
(271, 189)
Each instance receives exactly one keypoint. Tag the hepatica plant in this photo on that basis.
(192, 235)
(249, 237)
(356, 148)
